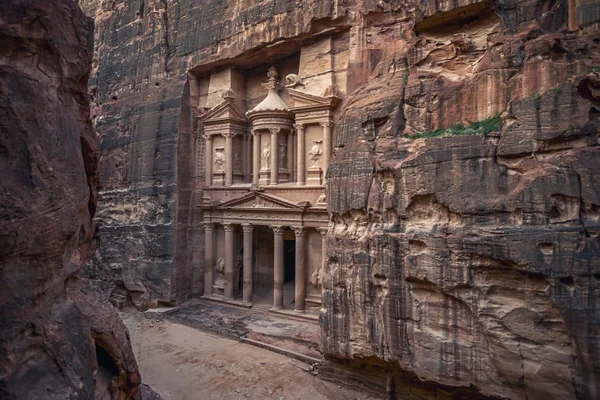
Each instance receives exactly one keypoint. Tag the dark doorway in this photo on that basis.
(289, 260)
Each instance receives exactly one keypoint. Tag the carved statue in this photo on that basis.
(237, 160)
(293, 80)
(266, 157)
(220, 266)
(316, 279)
(219, 160)
(315, 152)
(228, 93)
(283, 154)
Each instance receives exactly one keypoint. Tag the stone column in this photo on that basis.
(300, 279)
(301, 170)
(245, 172)
(290, 156)
(326, 145)
(208, 149)
(208, 258)
(247, 228)
(228, 291)
(274, 155)
(323, 232)
(248, 155)
(278, 267)
(228, 158)
(294, 156)
(255, 156)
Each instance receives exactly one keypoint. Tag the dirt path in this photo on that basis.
(182, 363)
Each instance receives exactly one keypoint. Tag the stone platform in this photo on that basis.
(259, 327)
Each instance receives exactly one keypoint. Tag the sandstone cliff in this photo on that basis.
(476, 261)
(58, 338)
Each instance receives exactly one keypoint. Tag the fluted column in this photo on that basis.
(208, 161)
(278, 267)
(326, 145)
(301, 171)
(274, 155)
(228, 158)
(255, 156)
(247, 228)
(300, 290)
(228, 290)
(208, 258)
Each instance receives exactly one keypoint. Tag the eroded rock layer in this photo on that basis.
(58, 338)
(475, 258)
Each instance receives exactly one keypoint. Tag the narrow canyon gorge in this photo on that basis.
(404, 195)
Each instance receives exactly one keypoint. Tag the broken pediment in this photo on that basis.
(225, 111)
(261, 200)
(302, 100)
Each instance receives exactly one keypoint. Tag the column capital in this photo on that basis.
(274, 130)
(323, 231)
(228, 134)
(228, 227)
(247, 227)
(299, 230)
(299, 127)
(255, 132)
(326, 124)
(277, 229)
(209, 226)
(206, 136)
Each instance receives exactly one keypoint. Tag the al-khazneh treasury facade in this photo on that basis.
(266, 135)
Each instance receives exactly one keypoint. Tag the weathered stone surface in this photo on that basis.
(475, 259)
(57, 339)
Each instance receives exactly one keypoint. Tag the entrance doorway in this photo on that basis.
(289, 260)
(289, 273)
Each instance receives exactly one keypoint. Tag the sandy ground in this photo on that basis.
(182, 363)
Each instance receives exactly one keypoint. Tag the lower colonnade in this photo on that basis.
(301, 277)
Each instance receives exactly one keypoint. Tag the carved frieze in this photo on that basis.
(312, 114)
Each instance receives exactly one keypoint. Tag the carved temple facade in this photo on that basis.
(263, 192)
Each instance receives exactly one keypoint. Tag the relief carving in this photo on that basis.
(283, 154)
(266, 157)
(219, 159)
(237, 160)
(315, 152)
(293, 80)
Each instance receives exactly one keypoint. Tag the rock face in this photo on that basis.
(475, 265)
(58, 338)
(476, 259)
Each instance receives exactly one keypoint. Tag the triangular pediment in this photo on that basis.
(260, 200)
(302, 99)
(227, 110)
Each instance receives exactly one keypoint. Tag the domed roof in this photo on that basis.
(273, 102)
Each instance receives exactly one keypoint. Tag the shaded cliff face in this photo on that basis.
(475, 261)
(58, 339)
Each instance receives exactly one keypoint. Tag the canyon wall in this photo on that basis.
(476, 263)
(59, 339)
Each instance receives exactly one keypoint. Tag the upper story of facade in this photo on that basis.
(267, 126)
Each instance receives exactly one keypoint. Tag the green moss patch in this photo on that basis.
(483, 127)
